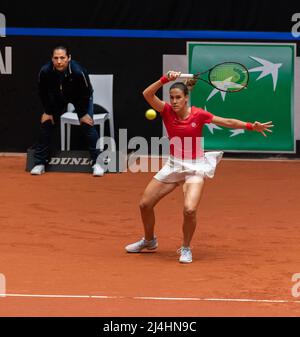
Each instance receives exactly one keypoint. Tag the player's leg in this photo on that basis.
(154, 192)
(192, 195)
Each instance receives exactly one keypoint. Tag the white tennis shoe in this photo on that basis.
(97, 170)
(138, 246)
(185, 255)
(38, 170)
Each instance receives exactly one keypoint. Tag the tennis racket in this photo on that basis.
(226, 76)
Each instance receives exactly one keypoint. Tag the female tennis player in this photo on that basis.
(187, 163)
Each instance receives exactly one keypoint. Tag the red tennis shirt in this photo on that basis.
(185, 135)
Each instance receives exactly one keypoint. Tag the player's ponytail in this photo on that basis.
(190, 83)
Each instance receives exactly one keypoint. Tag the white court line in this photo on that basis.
(59, 296)
(13, 154)
(151, 298)
(215, 299)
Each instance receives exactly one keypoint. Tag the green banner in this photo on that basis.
(268, 97)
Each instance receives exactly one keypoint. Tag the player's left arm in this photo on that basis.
(238, 124)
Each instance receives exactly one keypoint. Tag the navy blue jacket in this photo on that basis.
(57, 89)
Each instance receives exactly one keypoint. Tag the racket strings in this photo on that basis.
(229, 77)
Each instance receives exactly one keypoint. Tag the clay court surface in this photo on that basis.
(63, 236)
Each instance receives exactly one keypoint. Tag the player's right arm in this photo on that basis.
(150, 96)
(150, 92)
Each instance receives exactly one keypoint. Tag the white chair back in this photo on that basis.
(103, 91)
(103, 96)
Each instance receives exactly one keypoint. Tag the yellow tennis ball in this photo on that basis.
(150, 114)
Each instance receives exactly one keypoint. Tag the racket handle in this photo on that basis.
(186, 76)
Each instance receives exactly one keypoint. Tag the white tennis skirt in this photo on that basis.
(177, 170)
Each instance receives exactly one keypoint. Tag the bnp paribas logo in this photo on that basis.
(263, 68)
(5, 52)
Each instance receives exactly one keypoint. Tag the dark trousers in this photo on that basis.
(46, 134)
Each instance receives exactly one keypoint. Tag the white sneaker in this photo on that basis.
(142, 244)
(185, 255)
(97, 170)
(38, 170)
